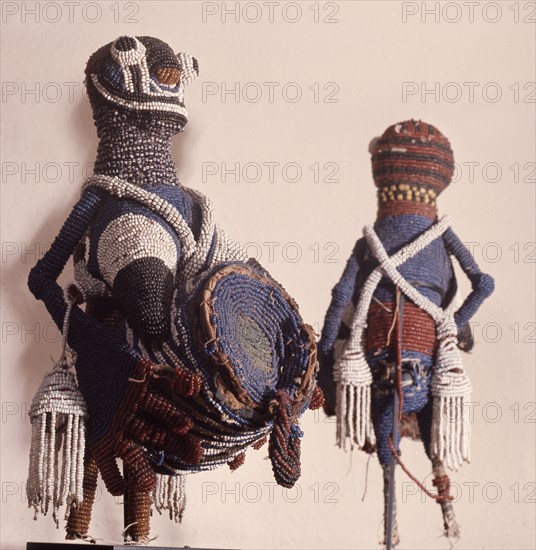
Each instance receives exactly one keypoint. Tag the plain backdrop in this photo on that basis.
(289, 97)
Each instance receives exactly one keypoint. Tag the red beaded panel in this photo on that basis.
(418, 330)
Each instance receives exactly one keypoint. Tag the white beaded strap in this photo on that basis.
(226, 249)
(65, 328)
(409, 251)
(389, 265)
(206, 233)
(121, 188)
(194, 252)
(353, 352)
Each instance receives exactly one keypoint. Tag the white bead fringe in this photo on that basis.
(170, 495)
(58, 414)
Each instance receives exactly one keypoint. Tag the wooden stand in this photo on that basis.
(77, 546)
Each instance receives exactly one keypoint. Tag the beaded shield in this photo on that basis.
(240, 332)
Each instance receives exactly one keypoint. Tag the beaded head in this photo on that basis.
(412, 163)
(142, 76)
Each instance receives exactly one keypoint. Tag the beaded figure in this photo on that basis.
(187, 353)
(389, 358)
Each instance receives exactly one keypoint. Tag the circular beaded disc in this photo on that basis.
(253, 337)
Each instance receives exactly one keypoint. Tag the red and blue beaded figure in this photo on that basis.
(389, 351)
(187, 353)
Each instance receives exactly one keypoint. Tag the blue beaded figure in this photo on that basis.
(187, 353)
(389, 359)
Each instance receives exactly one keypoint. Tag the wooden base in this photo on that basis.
(78, 546)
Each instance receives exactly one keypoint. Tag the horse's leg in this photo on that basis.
(138, 515)
(442, 482)
(80, 516)
(137, 504)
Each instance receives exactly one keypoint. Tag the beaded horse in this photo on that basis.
(187, 353)
(389, 359)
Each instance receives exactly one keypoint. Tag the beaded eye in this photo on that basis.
(169, 76)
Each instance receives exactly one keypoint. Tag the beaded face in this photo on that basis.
(141, 75)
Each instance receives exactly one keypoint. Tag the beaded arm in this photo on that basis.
(482, 284)
(43, 276)
(85, 332)
(341, 296)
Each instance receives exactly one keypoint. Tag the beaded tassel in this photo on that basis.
(58, 420)
(451, 389)
(353, 404)
(57, 414)
(170, 495)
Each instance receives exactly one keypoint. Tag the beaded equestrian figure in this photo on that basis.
(389, 359)
(187, 353)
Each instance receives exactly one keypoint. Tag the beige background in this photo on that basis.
(361, 59)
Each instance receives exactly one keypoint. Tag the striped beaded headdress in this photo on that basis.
(411, 161)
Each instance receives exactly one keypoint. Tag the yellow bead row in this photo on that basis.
(409, 192)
